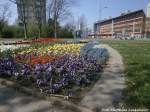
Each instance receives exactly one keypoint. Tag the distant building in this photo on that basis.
(32, 10)
(147, 24)
(148, 10)
(129, 24)
(147, 27)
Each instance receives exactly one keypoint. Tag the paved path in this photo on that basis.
(12, 101)
(109, 88)
(6, 41)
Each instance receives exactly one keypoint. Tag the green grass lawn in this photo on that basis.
(136, 56)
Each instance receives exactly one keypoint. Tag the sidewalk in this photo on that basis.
(108, 89)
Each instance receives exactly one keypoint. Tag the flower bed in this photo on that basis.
(57, 49)
(56, 69)
(47, 53)
(94, 51)
(33, 41)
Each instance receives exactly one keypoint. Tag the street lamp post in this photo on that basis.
(100, 15)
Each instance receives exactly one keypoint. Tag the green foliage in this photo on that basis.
(65, 33)
(48, 31)
(8, 32)
(33, 31)
(12, 32)
(19, 33)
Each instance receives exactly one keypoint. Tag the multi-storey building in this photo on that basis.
(148, 10)
(129, 24)
(147, 27)
(31, 10)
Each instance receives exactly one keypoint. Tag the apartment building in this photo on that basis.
(147, 27)
(129, 24)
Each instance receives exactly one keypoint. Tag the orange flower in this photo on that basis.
(40, 59)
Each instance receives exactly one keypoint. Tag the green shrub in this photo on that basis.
(8, 32)
(65, 33)
(32, 31)
(12, 31)
(48, 31)
(19, 32)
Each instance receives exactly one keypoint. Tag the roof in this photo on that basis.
(126, 14)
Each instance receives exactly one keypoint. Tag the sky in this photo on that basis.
(94, 10)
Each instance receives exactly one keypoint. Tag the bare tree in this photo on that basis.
(71, 25)
(39, 13)
(38, 16)
(4, 15)
(21, 4)
(58, 10)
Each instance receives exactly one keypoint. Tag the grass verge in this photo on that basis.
(136, 56)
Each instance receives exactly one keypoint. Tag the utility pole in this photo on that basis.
(100, 16)
(100, 5)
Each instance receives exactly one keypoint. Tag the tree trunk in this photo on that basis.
(55, 29)
(40, 30)
(25, 31)
(39, 33)
(55, 20)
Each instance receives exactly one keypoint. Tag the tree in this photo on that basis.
(71, 26)
(39, 12)
(65, 32)
(4, 15)
(21, 4)
(38, 17)
(47, 31)
(58, 10)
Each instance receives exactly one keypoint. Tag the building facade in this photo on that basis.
(148, 10)
(129, 24)
(147, 27)
(31, 10)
